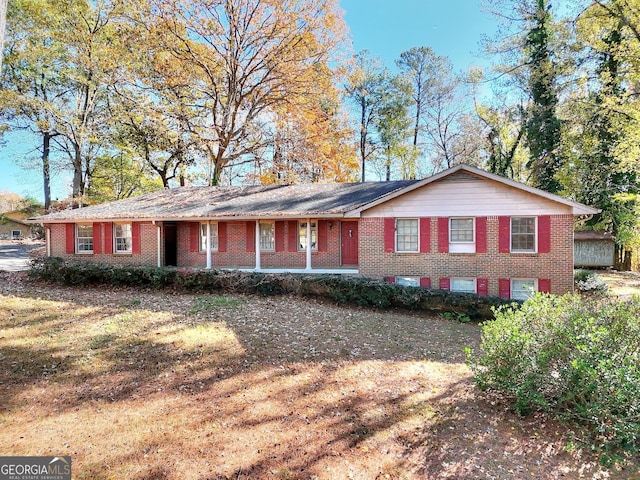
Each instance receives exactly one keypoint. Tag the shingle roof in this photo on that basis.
(270, 201)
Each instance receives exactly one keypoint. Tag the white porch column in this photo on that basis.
(308, 244)
(159, 245)
(208, 245)
(47, 232)
(257, 249)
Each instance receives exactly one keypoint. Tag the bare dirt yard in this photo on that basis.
(154, 385)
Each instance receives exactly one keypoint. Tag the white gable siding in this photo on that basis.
(462, 195)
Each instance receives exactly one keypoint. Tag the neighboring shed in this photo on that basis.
(593, 249)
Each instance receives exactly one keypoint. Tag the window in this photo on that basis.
(302, 236)
(522, 289)
(461, 235)
(407, 235)
(84, 238)
(523, 234)
(213, 229)
(122, 236)
(16, 234)
(408, 281)
(267, 236)
(463, 285)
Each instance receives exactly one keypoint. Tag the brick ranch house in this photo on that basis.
(462, 230)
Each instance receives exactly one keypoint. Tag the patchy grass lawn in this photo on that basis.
(150, 385)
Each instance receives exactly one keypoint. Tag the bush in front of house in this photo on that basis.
(578, 359)
(345, 290)
(589, 282)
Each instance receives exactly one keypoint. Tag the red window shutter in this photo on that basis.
(481, 235)
(443, 234)
(279, 233)
(108, 237)
(504, 234)
(97, 244)
(251, 237)
(544, 285)
(194, 237)
(222, 236)
(389, 235)
(390, 279)
(445, 284)
(135, 238)
(425, 282)
(544, 234)
(504, 288)
(425, 234)
(323, 228)
(292, 236)
(70, 237)
(482, 287)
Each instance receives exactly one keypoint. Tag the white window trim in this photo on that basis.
(115, 239)
(417, 250)
(535, 236)
(273, 224)
(203, 235)
(471, 279)
(303, 248)
(13, 233)
(83, 252)
(407, 280)
(535, 286)
(467, 246)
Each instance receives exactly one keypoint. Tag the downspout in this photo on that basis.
(308, 244)
(257, 249)
(208, 245)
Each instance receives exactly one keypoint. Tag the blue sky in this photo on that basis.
(384, 27)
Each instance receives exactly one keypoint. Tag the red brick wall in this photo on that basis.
(374, 262)
(556, 265)
(148, 247)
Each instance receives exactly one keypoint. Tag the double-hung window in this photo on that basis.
(523, 234)
(521, 289)
(462, 235)
(302, 236)
(463, 285)
(122, 237)
(267, 236)
(84, 238)
(407, 235)
(213, 229)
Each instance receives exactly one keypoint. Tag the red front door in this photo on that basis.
(349, 243)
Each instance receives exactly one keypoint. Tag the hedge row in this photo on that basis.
(347, 290)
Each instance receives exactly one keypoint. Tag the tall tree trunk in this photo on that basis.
(46, 174)
(77, 189)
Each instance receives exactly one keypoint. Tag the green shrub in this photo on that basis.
(589, 282)
(577, 359)
(356, 291)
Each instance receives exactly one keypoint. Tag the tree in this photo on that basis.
(393, 124)
(543, 126)
(32, 83)
(366, 89)
(423, 68)
(250, 58)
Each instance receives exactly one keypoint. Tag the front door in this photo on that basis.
(349, 243)
(170, 245)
